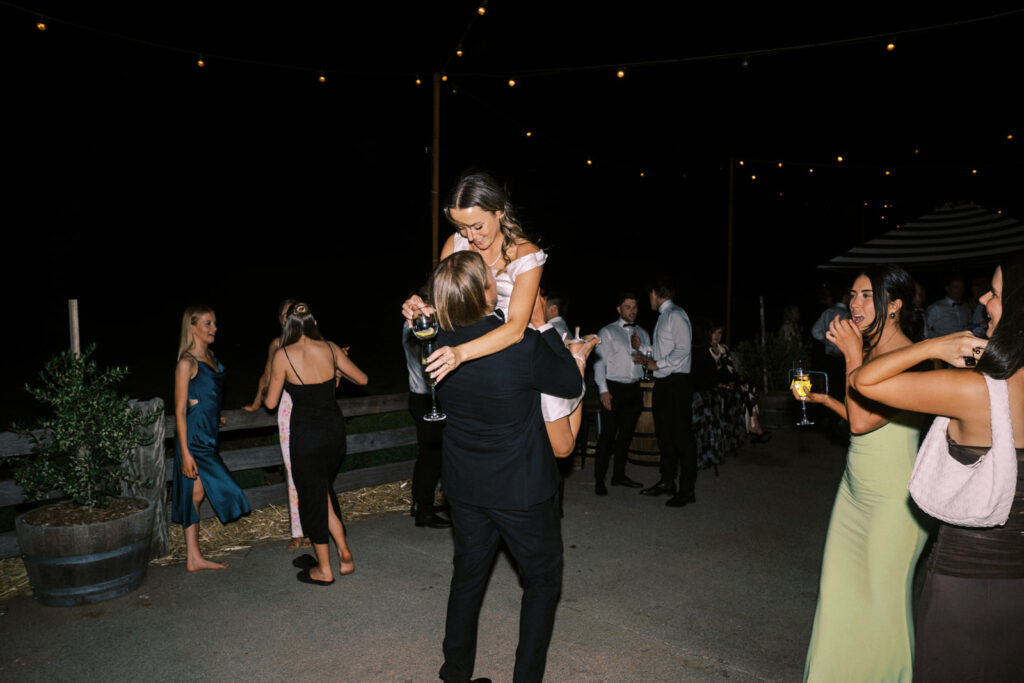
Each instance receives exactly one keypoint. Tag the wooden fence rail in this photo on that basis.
(12, 445)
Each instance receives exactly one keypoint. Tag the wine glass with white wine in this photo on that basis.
(424, 327)
(800, 380)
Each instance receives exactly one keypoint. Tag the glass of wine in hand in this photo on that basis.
(800, 380)
(424, 327)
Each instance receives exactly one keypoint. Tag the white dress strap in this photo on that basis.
(524, 263)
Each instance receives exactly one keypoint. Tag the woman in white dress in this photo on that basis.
(485, 223)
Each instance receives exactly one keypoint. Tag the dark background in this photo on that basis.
(139, 183)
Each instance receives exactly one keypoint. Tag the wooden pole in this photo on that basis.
(728, 264)
(435, 182)
(76, 342)
(764, 343)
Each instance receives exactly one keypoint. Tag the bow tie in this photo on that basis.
(629, 324)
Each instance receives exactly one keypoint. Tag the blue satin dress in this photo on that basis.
(202, 418)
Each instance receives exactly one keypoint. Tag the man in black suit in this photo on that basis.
(499, 472)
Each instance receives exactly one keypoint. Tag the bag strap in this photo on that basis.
(999, 413)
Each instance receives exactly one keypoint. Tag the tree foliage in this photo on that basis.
(81, 448)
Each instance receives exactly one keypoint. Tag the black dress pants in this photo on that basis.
(617, 427)
(427, 471)
(672, 407)
(534, 538)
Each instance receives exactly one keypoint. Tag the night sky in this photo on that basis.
(139, 182)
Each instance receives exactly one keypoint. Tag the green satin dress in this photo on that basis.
(863, 626)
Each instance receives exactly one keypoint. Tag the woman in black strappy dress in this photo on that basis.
(309, 367)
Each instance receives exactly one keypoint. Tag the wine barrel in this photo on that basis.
(86, 563)
(643, 449)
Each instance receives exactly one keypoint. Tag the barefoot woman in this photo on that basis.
(198, 469)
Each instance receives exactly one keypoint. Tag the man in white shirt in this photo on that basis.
(672, 404)
(618, 380)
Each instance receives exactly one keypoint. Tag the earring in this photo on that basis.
(892, 316)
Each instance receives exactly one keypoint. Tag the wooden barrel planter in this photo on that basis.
(643, 449)
(86, 563)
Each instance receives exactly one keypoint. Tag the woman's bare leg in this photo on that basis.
(345, 563)
(561, 435)
(195, 561)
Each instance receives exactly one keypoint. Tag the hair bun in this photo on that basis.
(300, 308)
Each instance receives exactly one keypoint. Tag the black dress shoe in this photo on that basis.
(680, 500)
(432, 520)
(600, 489)
(660, 488)
(627, 482)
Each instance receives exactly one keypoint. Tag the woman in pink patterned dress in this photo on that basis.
(284, 414)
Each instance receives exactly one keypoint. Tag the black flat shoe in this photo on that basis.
(304, 562)
(660, 488)
(680, 500)
(627, 482)
(304, 577)
(600, 489)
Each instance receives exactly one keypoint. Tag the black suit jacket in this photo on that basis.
(496, 448)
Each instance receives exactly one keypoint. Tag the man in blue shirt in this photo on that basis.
(672, 403)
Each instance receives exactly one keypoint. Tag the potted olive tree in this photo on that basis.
(94, 545)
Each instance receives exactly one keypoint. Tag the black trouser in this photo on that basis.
(672, 407)
(534, 538)
(427, 471)
(617, 427)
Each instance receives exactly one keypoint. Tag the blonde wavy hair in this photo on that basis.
(188, 319)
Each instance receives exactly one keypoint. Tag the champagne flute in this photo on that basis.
(800, 379)
(427, 347)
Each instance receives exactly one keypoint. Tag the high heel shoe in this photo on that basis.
(763, 437)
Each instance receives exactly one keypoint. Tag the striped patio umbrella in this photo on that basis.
(952, 235)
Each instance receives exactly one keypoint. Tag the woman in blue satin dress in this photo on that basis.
(199, 471)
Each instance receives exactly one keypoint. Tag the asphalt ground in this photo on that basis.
(723, 589)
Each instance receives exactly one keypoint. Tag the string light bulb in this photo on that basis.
(621, 73)
(753, 177)
(890, 47)
(741, 162)
(482, 9)
(200, 62)
(511, 83)
(810, 170)
(888, 173)
(444, 78)
(780, 164)
(40, 24)
(974, 171)
(322, 78)
(458, 50)
(1009, 136)
(529, 134)
(419, 81)
(839, 158)
(590, 162)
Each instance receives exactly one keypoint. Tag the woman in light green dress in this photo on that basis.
(863, 629)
